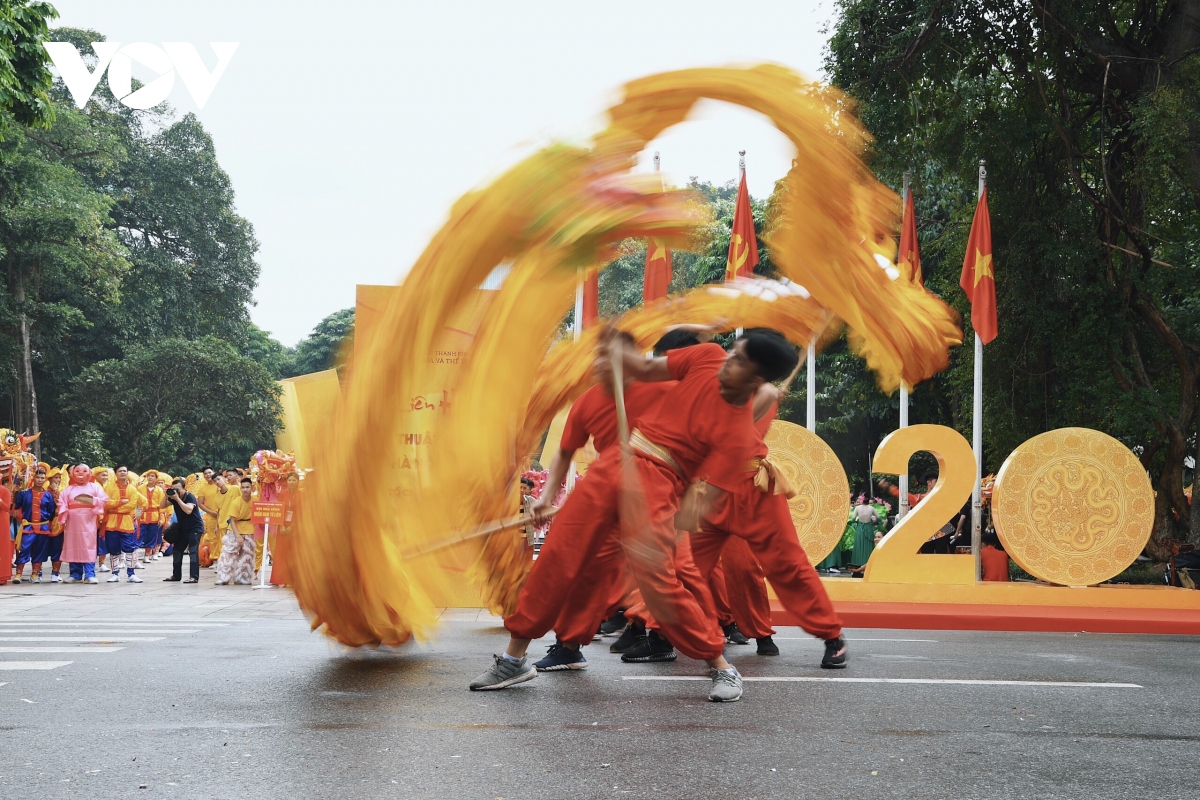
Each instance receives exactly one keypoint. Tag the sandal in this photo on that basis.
(191, 580)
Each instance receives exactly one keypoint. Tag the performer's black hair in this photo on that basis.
(675, 340)
(774, 355)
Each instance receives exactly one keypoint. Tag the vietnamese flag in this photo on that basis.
(658, 271)
(591, 298)
(978, 279)
(743, 244)
(909, 260)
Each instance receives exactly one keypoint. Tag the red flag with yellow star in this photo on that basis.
(909, 260)
(978, 279)
(743, 244)
(658, 271)
(591, 298)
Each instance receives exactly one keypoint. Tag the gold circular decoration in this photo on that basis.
(822, 502)
(1073, 506)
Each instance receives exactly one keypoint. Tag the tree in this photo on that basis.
(320, 350)
(25, 77)
(175, 403)
(1089, 118)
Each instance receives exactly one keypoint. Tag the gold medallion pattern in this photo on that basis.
(1073, 506)
(822, 503)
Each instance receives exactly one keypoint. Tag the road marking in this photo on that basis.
(99, 629)
(101, 621)
(131, 620)
(855, 639)
(79, 649)
(96, 639)
(946, 681)
(14, 665)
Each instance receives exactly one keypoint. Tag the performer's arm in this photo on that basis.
(767, 395)
(560, 462)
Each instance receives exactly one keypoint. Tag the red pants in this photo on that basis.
(579, 567)
(704, 590)
(764, 521)
(749, 604)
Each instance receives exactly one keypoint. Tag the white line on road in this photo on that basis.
(132, 620)
(74, 623)
(852, 640)
(950, 681)
(98, 629)
(96, 639)
(78, 649)
(13, 665)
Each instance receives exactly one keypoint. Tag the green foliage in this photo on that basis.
(176, 403)
(1088, 116)
(24, 75)
(120, 241)
(320, 349)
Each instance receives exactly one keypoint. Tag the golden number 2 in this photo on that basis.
(895, 559)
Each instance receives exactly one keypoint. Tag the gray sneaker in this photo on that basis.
(504, 673)
(726, 688)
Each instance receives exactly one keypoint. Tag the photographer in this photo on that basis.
(186, 532)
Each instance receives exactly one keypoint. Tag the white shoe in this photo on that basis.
(16, 578)
(92, 580)
(55, 579)
(73, 579)
(157, 556)
(102, 568)
(114, 578)
(134, 579)
(36, 579)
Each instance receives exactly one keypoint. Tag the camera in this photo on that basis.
(172, 491)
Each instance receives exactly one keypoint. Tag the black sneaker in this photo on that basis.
(767, 646)
(835, 654)
(654, 648)
(633, 636)
(613, 625)
(559, 657)
(735, 636)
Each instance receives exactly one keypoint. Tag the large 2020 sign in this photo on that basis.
(1072, 506)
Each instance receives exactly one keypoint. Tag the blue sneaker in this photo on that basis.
(560, 657)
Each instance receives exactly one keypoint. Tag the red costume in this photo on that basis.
(692, 435)
(764, 521)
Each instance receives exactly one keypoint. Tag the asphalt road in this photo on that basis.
(222, 692)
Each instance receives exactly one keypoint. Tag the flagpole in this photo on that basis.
(902, 510)
(977, 428)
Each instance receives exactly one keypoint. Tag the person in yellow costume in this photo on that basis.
(207, 492)
(151, 522)
(100, 475)
(228, 480)
(237, 556)
(123, 509)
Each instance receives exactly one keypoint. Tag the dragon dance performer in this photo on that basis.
(79, 509)
(152, 518)
(701, 431)
(123, 509)
(38, 505)
(593, 415)
(757, 513)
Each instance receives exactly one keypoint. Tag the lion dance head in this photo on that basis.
(16, 462)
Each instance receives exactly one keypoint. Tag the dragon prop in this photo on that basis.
(553, 218)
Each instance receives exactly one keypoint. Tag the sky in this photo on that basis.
(348, 134)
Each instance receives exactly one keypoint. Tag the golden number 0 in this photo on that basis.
(895, 559)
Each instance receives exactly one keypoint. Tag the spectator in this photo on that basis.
(992, 558)
(188, 527)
